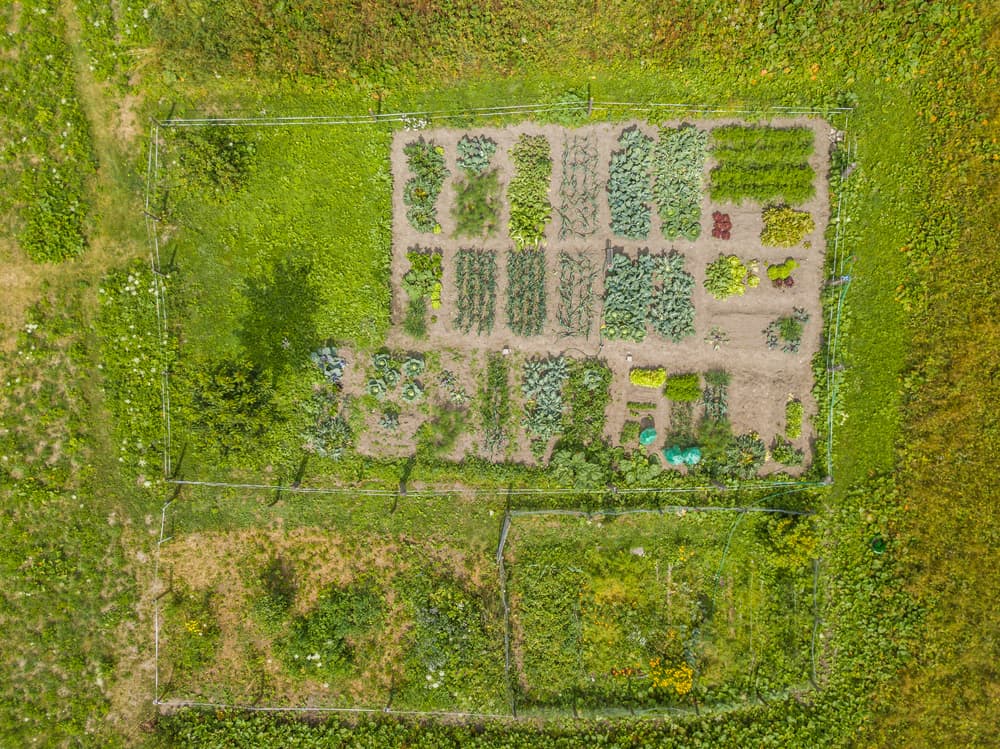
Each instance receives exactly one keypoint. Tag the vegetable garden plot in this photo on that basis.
(658, 611)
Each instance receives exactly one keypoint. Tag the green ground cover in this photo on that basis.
(910, 629)
(659, 611)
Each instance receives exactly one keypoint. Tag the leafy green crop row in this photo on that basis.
(678, 163)
(528, 192)
(629, 189)
(762, 164)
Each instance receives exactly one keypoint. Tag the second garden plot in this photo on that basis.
(650, 611)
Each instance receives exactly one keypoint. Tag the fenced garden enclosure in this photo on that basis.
(389, 342)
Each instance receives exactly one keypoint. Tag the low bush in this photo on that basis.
(648, 378)
(722, 225)
(782, 271)
(786, 331)
(785, 227)
(475, 153)
(728, 276)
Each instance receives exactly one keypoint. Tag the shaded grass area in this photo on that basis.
(314, 202)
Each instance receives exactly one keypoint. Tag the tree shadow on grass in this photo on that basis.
(279, 328)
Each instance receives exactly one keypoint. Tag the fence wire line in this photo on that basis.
(294, 709)
(497, 491)
(152, 179)
(513, 109)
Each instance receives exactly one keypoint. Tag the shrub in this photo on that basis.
(231, 405)
(679, 160)
(219, 160)
(727, 276)
(782, 451)
(793, 419)
(648, 378)
(683, 388)
(782, 271)
(426, 163)
(629, 189)
(785, 227)
(528, 192)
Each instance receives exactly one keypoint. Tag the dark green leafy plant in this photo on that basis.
(672, 310)
(628, 292)
(678, 165)
(542, 388)
(786, 331)
(475, 153)
(330, 434)
(629, 188)
(528, 192)
(426, 163)
(422, 284)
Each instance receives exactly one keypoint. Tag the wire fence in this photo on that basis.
(609, 710)
(840, 261)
